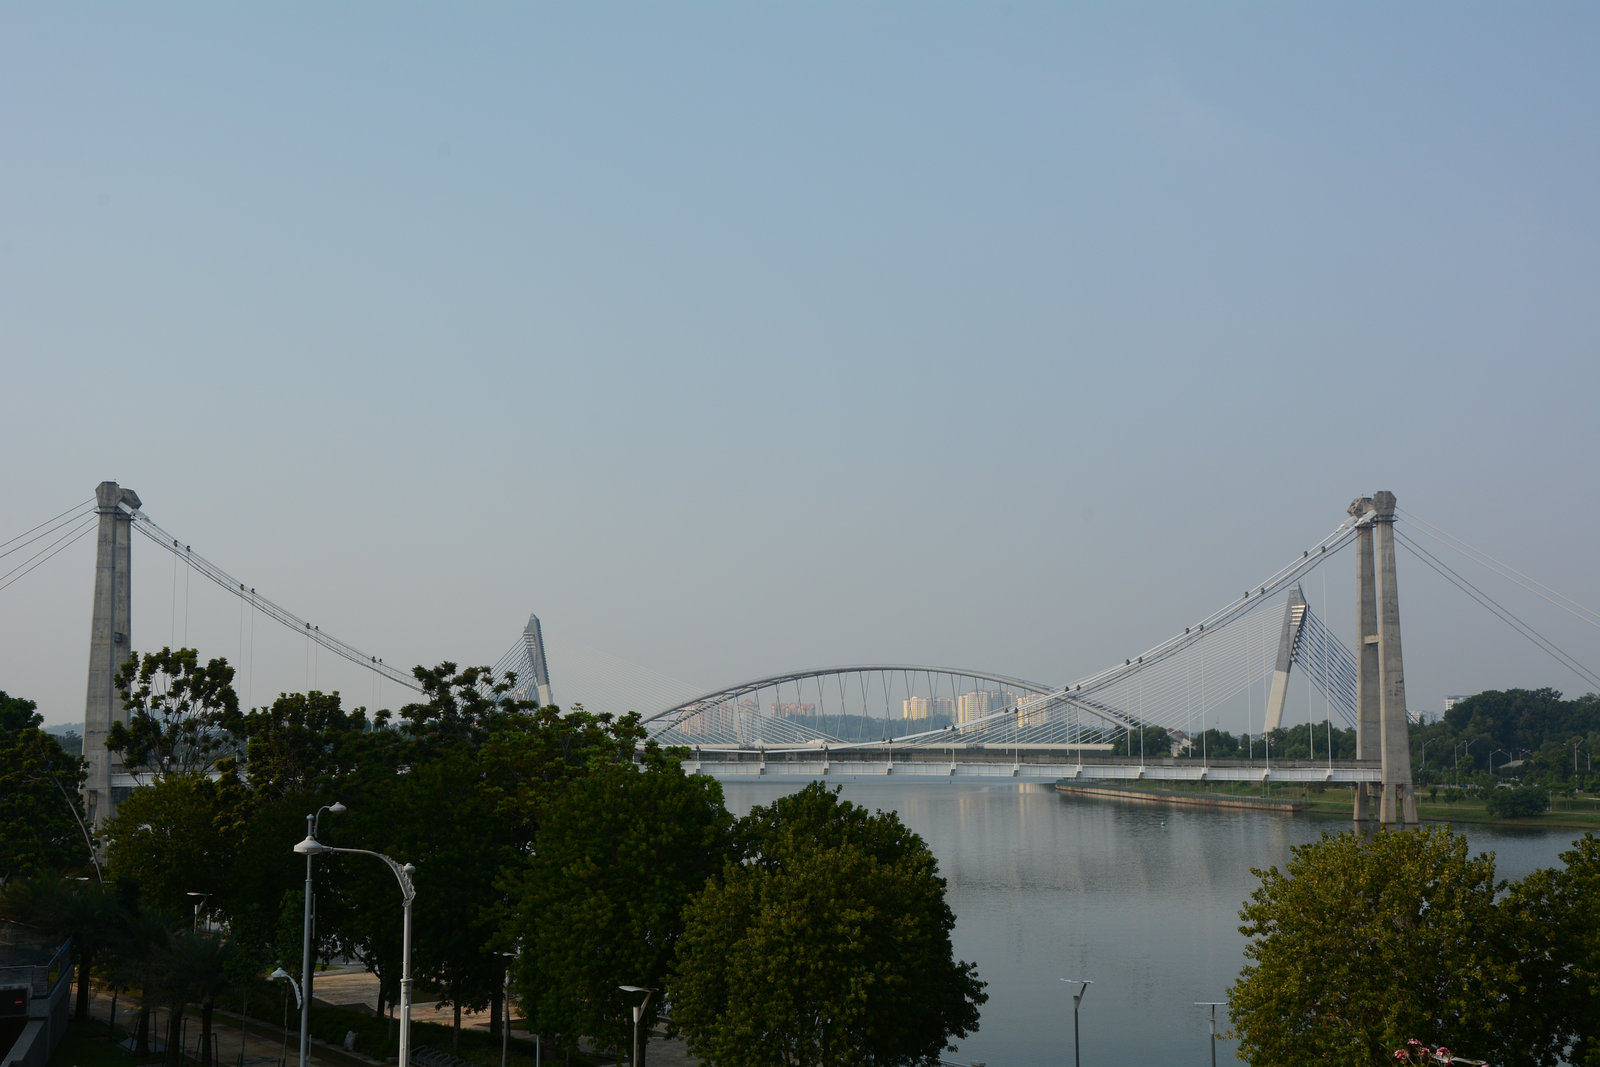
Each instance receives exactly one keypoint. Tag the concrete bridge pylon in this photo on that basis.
(1382, 727)
(110, 643)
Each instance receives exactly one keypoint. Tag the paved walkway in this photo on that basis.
(263, 1044)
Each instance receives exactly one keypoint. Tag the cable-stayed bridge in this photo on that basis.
(899, 718)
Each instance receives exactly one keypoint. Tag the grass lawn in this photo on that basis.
(1433, 805)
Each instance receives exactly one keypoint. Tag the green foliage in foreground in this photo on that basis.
(823, 930)
(1364, 941)
(40, 810)
(828, 944)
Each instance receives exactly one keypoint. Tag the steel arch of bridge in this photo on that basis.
(729, 717)
(755, 685)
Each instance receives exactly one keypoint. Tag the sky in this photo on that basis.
(735, 339)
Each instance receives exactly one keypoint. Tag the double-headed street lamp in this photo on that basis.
(312, 822)
(408, 892)
(638, 1013)
(1077, 998)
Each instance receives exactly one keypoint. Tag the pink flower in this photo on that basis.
(1413, 1041)
(1401, 1054)
(1443, 1053)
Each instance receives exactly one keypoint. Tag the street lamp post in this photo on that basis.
(1077, 998)
(201, 898)
(638, 1013)
(408, 892)
(505, 1006)
(312, 821)
(1213, 1005)
(1460, 747)
(280, 973)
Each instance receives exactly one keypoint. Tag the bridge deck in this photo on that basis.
(1026, 766)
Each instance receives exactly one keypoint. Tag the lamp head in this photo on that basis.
(337, 808)
(311, 847)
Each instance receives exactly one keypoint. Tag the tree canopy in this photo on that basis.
(1364, 941)
(827, 942)
(617, 857)
(177, 709)
(41, 827)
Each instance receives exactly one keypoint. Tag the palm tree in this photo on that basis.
(192, 969)
(136, 960)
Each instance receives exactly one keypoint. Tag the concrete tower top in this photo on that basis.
(109, 494)
(1383, 503)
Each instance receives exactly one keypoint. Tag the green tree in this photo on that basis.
(175, 837)
(829, 943)
(137, 956)
(304, 741)
(1151, 742)
(1519, 803)
(1558, 942)
(618, 855)
(41, 815)
(1362, 942)
(191, 967)
(177, 712)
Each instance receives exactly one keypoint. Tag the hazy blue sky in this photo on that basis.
(736, 338)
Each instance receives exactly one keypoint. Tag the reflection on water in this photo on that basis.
(1143, 900)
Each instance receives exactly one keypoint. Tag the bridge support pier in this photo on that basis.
(110, 644)
(1382, 727)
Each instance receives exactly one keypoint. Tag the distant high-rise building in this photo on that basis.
(792, 710)
(1450, 702)
(916, 708)
(1031, 709)
(978, 703)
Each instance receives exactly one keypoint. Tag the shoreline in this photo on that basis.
(1322, 806)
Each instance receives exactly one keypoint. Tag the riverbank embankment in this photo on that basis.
(1169, 798)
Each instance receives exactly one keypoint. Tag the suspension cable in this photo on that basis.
(1498, 610)
(49, 551)
(51, 522)
(142, 523)
(1505, 570)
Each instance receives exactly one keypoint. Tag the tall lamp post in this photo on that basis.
(505, 1006)
(638, 1013)
(1213, 1005)
(312, 822)
(408, 892)
(1077, 998)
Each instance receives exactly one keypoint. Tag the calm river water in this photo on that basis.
(1142, 900)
